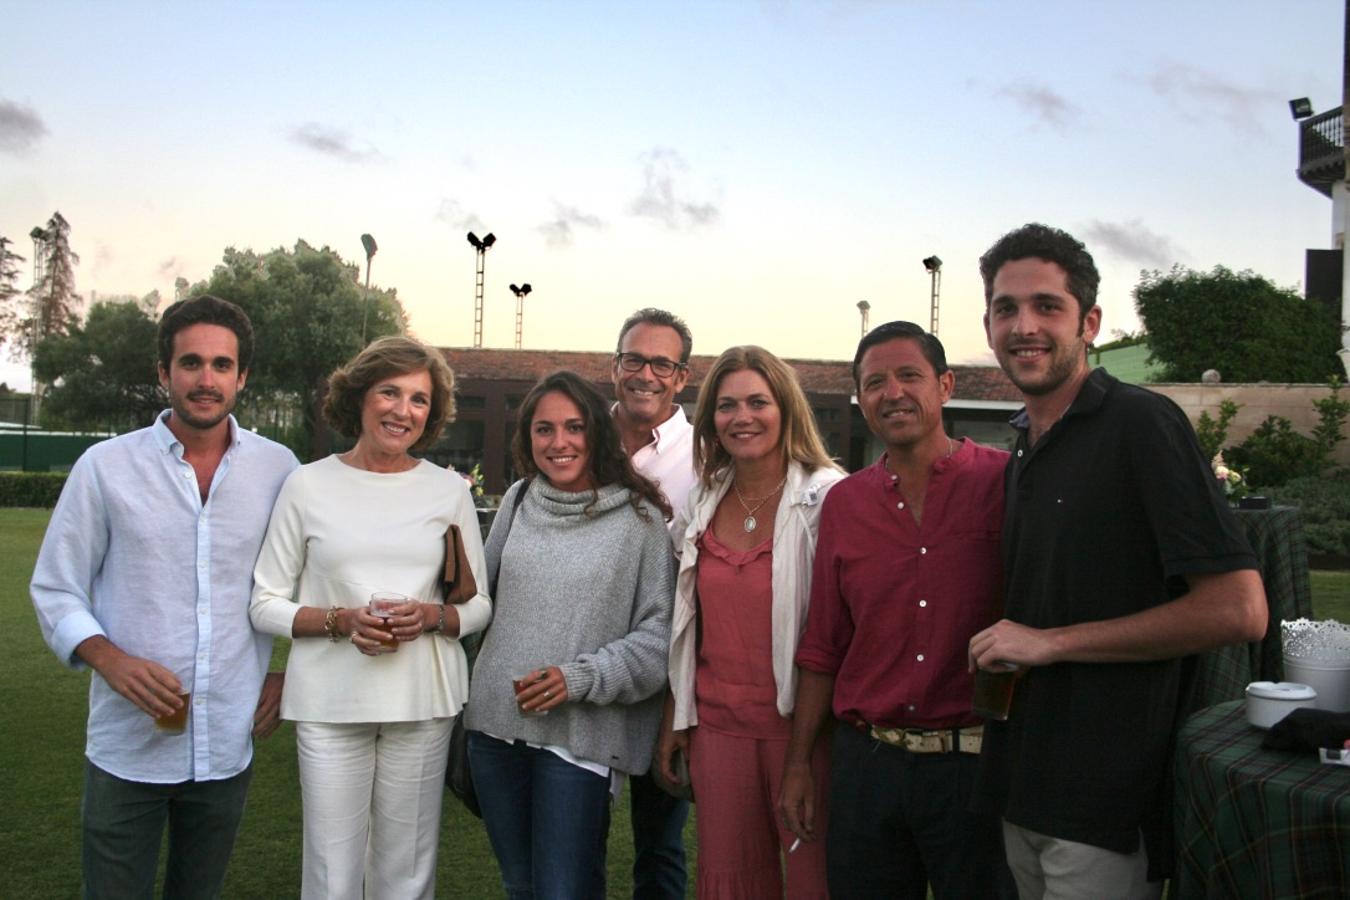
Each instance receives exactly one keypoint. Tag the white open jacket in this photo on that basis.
(794, 547)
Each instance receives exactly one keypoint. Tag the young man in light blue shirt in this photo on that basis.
(144, 576)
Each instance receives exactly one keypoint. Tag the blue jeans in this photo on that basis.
(658, 841)
(123, 824)
(900, 821)
(547, 819)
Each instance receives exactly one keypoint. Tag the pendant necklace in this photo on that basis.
(751, 523)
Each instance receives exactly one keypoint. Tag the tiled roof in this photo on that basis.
(817, 376)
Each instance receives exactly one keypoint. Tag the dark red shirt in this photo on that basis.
(894, 603)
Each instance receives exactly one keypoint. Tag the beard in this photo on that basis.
(203, 423)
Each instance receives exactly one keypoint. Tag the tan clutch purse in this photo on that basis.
(459, 583)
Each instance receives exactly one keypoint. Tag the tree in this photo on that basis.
(1238, 323)
(9, 276)
(103, 373)
(306, 306)
(54, 309)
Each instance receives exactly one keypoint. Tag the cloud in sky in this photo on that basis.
(664, 196)
(1202, 93)
(20, 128)
(334, 142)
(1133, 241)
(1047, 105)
(452, 213)
(560, 230)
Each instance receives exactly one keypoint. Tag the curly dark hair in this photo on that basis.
(1052, 245)
(392, 355)
(607, 461)
(205, 309)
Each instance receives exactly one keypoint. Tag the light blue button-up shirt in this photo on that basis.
(133, 554)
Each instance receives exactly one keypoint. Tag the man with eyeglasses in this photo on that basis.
(651, 367)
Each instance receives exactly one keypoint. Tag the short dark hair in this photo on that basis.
(1052, 245)
(653, 316)
(205, 309)
(394, 354)
(606, 460)
(928, 343)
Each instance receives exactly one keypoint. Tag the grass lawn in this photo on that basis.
(45, 716)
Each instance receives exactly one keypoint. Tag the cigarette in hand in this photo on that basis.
(795, 844)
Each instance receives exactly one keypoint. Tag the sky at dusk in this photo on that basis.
(756, 167)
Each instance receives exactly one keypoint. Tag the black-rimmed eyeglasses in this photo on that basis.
(661, 367)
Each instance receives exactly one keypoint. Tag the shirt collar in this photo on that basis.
(1091, 395)
(669, 429)
(960, 452)
(168, 442)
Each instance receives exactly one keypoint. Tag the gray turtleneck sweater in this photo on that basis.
(589, 591)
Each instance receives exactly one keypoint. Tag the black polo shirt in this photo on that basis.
(1103, 518)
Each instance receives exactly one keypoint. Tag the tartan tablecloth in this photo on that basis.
(1276, 536)
(1253, 822)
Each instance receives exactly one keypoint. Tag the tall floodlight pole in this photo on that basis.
(480, 250)
(863, 307)
(521, 292)
(36, 388)
(369, 243)
(934, 267)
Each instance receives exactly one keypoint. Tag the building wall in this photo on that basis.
(1255, 402)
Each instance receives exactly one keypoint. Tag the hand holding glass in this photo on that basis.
(385, 605)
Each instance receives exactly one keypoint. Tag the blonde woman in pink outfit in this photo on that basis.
(748, 537)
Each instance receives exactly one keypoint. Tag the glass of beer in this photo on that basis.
(994, 691)
(384, 605)
(176, 721)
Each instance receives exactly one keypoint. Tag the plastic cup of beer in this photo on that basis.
(994, 691)
(176, 721)
(520, 684)
(384, 605)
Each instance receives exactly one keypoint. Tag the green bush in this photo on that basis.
(39, 489)
(1325, 504)
(1275, 454)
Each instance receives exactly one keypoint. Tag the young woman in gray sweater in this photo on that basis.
(567, 689)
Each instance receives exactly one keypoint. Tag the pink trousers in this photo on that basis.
(741, 843)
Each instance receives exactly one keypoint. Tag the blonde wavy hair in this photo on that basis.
(799, 440)
(394, 354)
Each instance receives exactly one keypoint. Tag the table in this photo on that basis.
(1253, 822)
(1276, 537)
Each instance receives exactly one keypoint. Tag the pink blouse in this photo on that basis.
(733, 678)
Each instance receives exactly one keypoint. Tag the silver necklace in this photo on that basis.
(751, 523)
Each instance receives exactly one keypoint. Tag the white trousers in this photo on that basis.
(1048, 868)
(372, 805)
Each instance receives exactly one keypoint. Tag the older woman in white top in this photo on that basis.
(372, 698)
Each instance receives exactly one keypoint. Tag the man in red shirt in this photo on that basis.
(907, 569)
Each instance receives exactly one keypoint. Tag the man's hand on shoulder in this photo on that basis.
(267, 716)
(153, 688)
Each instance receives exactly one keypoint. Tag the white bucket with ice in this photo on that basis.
(1318, 654)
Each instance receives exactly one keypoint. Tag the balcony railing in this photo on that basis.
(1321, 150)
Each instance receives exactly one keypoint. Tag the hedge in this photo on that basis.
(31, 488)
(1325, 504)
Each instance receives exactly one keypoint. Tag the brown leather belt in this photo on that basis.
(918, 740)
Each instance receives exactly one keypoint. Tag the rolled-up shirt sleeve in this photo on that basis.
(72, 552)
(829, 626)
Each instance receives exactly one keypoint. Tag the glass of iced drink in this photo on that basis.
(384, 605)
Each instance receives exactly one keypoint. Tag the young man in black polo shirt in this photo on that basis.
(1120, 558)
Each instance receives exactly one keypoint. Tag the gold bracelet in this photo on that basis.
(330, 624)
